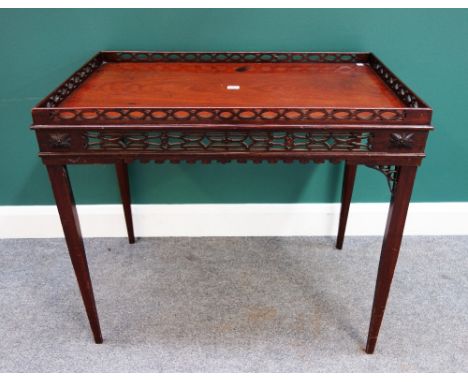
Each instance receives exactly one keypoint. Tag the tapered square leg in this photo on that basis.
(346, 194)
(71, 227)
(390, 249)
(124, 186)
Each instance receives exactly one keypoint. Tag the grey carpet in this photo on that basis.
(232, 305)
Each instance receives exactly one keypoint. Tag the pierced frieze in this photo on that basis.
(235, 57)
(229, 141)
(225, 115)
(73, 82)
(401, 90)
(390, 172)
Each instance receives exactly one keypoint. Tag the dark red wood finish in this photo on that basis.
(176, 106)
(204, 85)
(346, 195)
(390, 249)
(71, 227)
(124, 186)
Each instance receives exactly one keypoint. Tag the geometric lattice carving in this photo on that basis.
(229, 141)
(390, 172)
(225, 115)
(235, 57)
(73, 82)
(399, 88)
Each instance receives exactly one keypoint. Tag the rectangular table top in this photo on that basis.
(274, 106)
(213, 88)
(167, 84)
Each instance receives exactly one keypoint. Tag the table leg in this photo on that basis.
(71, 227)
(124, 185)
(390, 248)
(346, 194)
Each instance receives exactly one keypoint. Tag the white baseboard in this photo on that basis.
(233, 220)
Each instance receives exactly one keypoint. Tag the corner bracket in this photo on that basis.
(390, 172)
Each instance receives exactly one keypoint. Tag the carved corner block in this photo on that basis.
(60, 141)
(402, 140)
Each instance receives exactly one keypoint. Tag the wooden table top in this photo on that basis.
(212, 88)
(167, 84)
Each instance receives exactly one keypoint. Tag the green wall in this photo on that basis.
(428, 49)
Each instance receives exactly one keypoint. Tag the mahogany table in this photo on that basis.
(224, 106)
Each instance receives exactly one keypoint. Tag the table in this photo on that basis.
(123, 106)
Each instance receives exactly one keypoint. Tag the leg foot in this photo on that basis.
(124, 186)
(390, 249)
(71, 227)
(347, 193)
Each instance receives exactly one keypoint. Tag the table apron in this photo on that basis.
(189, 144)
